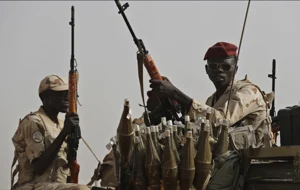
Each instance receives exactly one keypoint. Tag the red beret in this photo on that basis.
(221, 50)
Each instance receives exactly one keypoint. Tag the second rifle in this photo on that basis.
(168, 103)
(73, 138)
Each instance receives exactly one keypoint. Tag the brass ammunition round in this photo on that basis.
(152, 163)
(203, 159)
(163, 123)
(138, 134)
(222, 144)
(187, 167)
(175, 137)
(137, 130)
(170, 169)
(186, 118)
(157, 131)
(139, 178)
(189, 126)
(153, 173)
(125, 133)
(201, 174)
(173, 144)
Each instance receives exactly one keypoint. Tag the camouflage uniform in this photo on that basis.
(248, 116)
(248, 108)
(34, 135)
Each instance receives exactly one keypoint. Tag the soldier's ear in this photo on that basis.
(45, 96)
(206, 68)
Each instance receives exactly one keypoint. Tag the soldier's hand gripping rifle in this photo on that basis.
(171, 108)
(74, 137)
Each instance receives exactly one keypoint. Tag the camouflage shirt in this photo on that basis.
(248, 108)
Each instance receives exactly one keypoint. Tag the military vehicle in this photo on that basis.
(273, 168)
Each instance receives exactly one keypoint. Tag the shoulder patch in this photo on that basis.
(37, 137)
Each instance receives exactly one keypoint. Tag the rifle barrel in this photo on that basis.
(72, 23)
(121, 11)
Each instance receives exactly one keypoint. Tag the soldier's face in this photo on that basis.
(221, 71)
(57, 100)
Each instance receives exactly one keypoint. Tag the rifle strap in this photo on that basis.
(88, 146)
(141, 58)
(95, 177)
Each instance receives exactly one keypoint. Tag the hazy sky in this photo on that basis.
(35, 42)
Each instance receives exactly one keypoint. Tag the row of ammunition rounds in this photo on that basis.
(168, 156)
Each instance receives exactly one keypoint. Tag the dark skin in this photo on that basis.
(220, 72)
(152, 101)
(156, 108)
(53, 103)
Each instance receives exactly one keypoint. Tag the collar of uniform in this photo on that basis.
(229, 87)
(212, 99)
(42, 112)
(237, 81)
(60, 123)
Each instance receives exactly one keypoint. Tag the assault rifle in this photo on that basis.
(170, 108)
(73, 138)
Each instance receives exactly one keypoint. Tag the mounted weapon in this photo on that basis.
(273, 77)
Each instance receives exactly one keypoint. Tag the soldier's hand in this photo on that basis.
(71, 121)
(163, 88)
(152, 101)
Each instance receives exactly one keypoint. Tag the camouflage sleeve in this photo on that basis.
(244, 101)
(107, 171)
(34, 138)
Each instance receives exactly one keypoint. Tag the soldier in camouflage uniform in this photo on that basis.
(248, 111)
(40, 141)
(248, 104)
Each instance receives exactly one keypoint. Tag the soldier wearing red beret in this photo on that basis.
(248, 104)
(248, 107)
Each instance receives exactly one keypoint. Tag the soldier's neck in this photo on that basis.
(51, 113)
(220, 91)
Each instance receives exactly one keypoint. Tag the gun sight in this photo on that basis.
(122, 8)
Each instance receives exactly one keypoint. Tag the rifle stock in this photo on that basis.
(73, 138)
